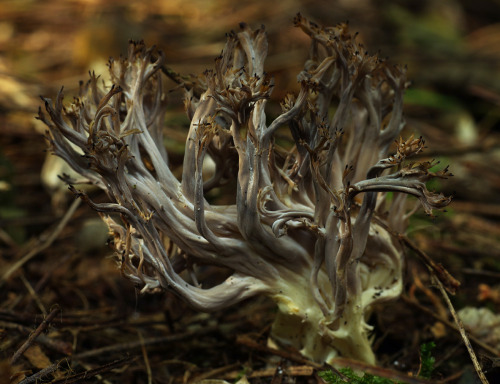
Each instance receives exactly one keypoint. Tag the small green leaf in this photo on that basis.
(353, 378)
(427, 360)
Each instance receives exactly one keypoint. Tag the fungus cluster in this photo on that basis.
(309, 224)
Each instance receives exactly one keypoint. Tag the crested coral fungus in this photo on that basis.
(309, 225)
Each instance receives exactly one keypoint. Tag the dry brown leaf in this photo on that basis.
(12, 374)
(37, 357)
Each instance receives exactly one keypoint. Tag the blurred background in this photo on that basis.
(451, 48)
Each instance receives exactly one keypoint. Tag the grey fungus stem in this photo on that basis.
(301, 230)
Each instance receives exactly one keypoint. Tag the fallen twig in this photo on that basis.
(94, 372)
(34, 335)
(480, 272)
(145, 357)
(43, 339)
(461, 328)
(37, 377)
(446, 282)
(449, 282)
(247, 341)
(214, 373)
(445, 278)
(293, 371)
(476, 208)
(138, 344)
(451, 325)
(33, 294)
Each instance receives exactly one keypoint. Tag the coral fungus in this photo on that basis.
(308, 228)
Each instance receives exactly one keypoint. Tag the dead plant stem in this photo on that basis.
(34, 335)
(146, 359)
(451, 325)
(461, 328)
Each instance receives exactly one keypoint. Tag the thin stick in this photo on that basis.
(247, 341)
(44, 244)
(445, 278)
(33, 294)
(293, 371)
(460, 326)
(216, 372)
(445, 282)
(88, 368)
(137, 344)
(472, 271)
(51, 343)
(5, 237)
(146, 359)
(477, 208)
(449, 282)
(34, 335)
(451, 325)
(95, 372)
(37, 377)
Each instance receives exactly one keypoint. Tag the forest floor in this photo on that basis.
(67, 315)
